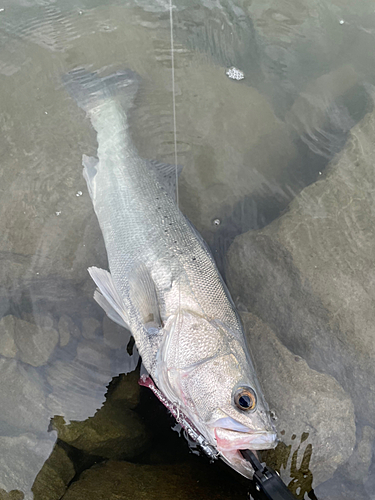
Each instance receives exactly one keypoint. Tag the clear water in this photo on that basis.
(285, 153)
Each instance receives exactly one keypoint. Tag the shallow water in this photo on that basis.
(283, 157)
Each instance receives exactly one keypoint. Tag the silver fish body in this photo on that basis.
(163, 283)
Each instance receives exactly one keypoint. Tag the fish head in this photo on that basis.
(209, 374)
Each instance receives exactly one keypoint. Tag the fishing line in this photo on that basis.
(174, 99)
(175, 141)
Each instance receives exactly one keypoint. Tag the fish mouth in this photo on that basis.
(228, 440)
(230, 444)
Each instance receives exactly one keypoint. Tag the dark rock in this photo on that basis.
(115, 431)
(108, 434)
(124, 391)
(12, 495)
(185, 481)
(54, 477)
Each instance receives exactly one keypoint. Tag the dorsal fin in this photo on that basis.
(167, 175)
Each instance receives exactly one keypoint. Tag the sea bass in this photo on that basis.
(163, 283)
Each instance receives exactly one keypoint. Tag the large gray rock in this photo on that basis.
(310, 274)
(357, 467)
(314, 415)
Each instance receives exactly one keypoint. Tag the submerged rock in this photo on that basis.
(8, 347)
(22, 398)
(124, 391)
(297, 40)
(54, 477)
(21, 458)
(357, 467)
(115, 336)
(12, 495)
(310, 274)
(35, 343)
(91, 328)
(186, 481)
(79, 386)
(314, 415)
(67, 328)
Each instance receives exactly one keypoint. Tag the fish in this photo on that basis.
(163, 284)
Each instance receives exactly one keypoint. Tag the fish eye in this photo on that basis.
(245, 399)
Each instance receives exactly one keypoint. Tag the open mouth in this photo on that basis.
(228, 440)
(229, 444)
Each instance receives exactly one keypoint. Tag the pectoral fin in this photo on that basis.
(144, 297)
(107, 296)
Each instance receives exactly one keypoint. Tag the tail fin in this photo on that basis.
(90, 91)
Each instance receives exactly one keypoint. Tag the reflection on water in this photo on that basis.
(282, 159)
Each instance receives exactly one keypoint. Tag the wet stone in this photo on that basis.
(35, 343)
(54, 477)
(124, 391)
(315, 417)
(111, 433)
(12, 495)
(8, 347)
(186, 481)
